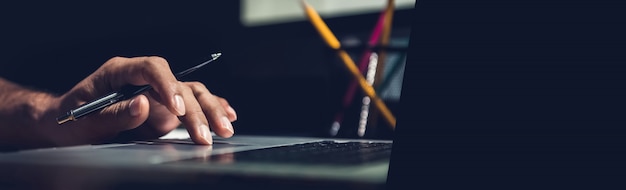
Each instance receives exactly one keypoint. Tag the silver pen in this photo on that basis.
(125, 93)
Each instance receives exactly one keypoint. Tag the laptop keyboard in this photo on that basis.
(323, 152)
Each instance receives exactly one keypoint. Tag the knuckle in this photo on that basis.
(197, 111)
(114, 61)
(154, 62)
(194, 113)
(198, 88)
(195, 85)
(155, 58)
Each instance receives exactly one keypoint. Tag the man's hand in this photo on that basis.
(150, 115)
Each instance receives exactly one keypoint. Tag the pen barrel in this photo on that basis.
(126, 92)
(97, 104)
(102, 102)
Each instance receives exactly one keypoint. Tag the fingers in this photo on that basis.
(107, 123)
(205, 112)
(124, 115)
(232, 115)
(153, 71)
(160, 122)
(193, 104)
(194, 121)
(216, 109)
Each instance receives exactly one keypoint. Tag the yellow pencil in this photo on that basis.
(332, 41)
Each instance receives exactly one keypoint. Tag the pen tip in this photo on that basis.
(216, 55)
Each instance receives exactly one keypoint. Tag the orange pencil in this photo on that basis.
(333, 43)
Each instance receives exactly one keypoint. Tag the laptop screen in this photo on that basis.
(512, 93)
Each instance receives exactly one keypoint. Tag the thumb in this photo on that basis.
(108, 122)
(122, 116)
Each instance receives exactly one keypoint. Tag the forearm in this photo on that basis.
(21, 111)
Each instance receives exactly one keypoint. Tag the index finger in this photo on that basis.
(151, 70)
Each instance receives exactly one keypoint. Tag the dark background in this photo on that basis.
(513, 94)
(281, 78)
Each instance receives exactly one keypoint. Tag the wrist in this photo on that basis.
(22, 107)
(43, 108)
(33, 109)
(23, 114)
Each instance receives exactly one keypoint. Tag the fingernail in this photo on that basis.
(205, 133)
(231, 110)
(134, 108)
(179, 105)
(228, 125)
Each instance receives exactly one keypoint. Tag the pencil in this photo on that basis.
(333, 43)
(363, 66)
(384, 41)
(382, 54)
